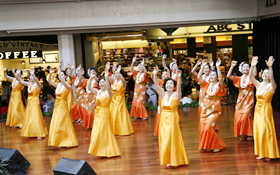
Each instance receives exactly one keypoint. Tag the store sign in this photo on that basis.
(21, 54)
(270, 3)
(229, 28)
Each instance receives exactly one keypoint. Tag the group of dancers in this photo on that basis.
(100, 105)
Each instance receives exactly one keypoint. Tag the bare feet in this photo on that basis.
(267, 159)
(250, 138)
(243, 138)
(168, 165)
(39, 138)
(145, 118)
(258, 158)
(216, 150)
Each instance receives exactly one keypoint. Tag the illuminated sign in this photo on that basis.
(20, 54)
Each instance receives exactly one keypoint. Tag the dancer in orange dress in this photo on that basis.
(33, 124)
(164, 74)
(16, 108)
(205, 77)
(103, 142)
(90, 100)
(265, 140)
(211, 109)
(77, 110)
(172, 150)
(138, 109)
(243, 116)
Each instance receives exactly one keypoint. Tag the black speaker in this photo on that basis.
(72, 167)
(14, 157)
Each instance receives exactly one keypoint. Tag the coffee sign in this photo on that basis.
(20, 54)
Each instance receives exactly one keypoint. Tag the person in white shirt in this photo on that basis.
(151, 92)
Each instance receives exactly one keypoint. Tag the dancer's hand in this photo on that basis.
(270, 61)
(13, 70)
(254, 60)
(73, 66)
(32, 71)
(179, 73)
(174, 60)
(233, 63)
(164, 56)
(51, 70)
(60, 65)
(143, 61)
(155, 72)
(199, 62)
(82, 71)
(5, 68)
(211, 63)
(218, 63)
(204, 62)
(134, 59)
(18, 71)
(119, 69)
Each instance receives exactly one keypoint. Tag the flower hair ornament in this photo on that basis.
(171, 65)
(240, 67)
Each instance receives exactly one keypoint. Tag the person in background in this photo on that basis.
(48, 107)
(151, 92)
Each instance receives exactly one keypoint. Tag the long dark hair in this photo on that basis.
(165, 81)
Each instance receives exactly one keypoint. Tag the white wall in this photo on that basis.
(268, 11)
(113, 14)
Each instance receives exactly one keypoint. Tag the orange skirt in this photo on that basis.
(243, 124)
(216, 127)
(157, 124)
(88, 119)
(74, 112)
(138, 110)
(208, 138)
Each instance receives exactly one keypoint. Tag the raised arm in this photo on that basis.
(220, 76)
(163, 61)
(91, 88)
(32, 73)
(143, 62)
(62, 80)
(229, 74)
(121, 76)
(251, 74)
(195, 67)
(6, 75)
(159, 90)
(132, 64)
(211, 63)
(24, 83)
(49, 79)
(71, 70)
(199, 76)
(108, 87)
(269, 64)
(178, 93)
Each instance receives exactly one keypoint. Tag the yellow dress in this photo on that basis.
(171, 146)
(16, 108)
(33, 124)
(70, 98)
(120, 117)
(265, 141)
(62, 133)
(103, 142)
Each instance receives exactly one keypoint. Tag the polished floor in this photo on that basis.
(140, 150)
